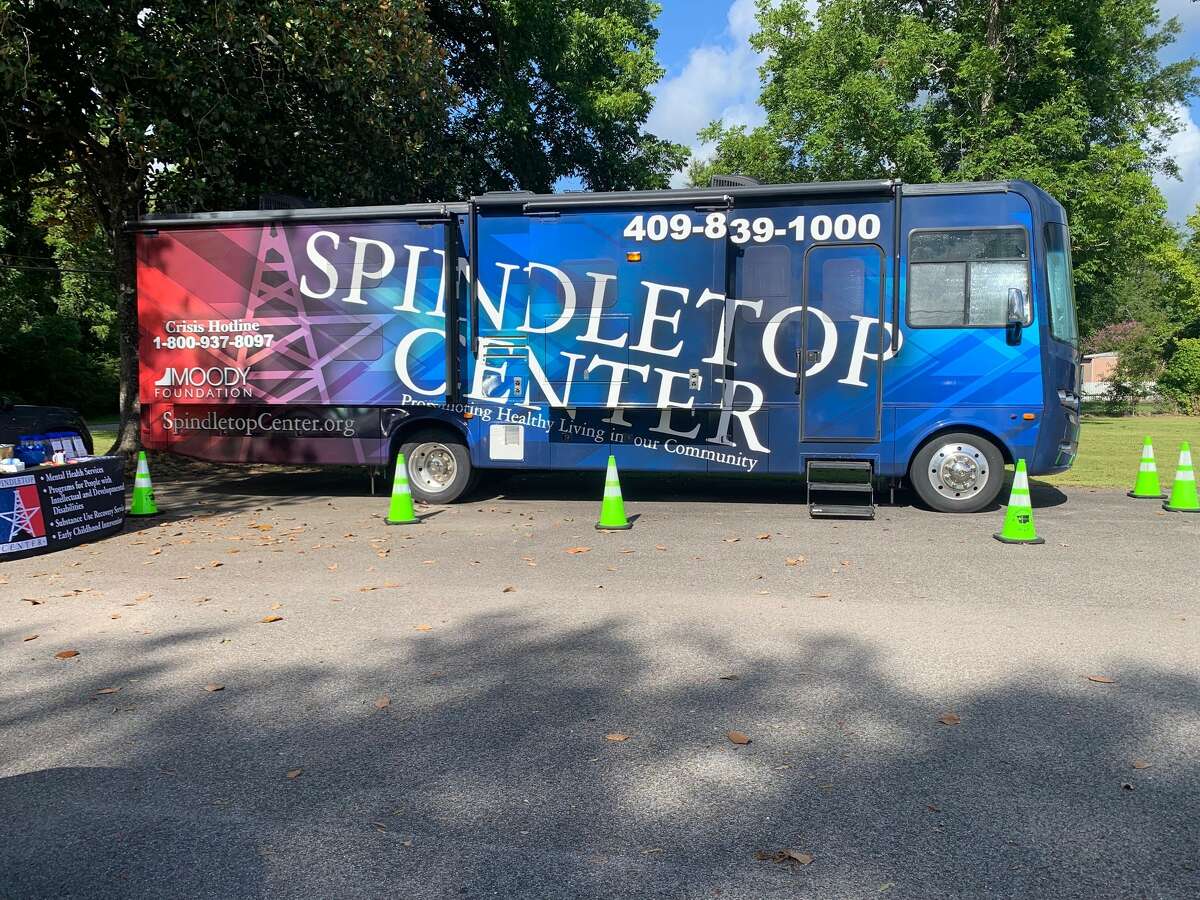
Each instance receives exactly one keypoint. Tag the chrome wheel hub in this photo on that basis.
(958, 471)
(432, 467)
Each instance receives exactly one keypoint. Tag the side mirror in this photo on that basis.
(1018, 315)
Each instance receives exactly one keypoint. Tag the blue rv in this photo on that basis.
(856, 333)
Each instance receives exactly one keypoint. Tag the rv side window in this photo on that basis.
(1062, 287)
(961, 278)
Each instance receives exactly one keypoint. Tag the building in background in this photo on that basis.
(1097, 367)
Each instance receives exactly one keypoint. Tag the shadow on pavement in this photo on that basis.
(191, 486)
(489, 774)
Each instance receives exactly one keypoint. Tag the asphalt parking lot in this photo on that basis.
(466, 708)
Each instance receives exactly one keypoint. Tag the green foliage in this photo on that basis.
(552, 88)
(1131, 382)
(1180, 379)
(113, 108)
(57, 345)
(1068, 95)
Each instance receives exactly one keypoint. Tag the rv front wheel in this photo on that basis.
(958, 472)
(439, 465)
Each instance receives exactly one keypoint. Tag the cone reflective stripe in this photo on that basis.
(143, 490)
(400, 509)
(1018, 517)
(1146, 486)
(612, 507)
(1183, 489)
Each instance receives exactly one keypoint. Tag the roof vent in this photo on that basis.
(726, 181)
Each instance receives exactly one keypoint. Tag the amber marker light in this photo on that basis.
(633, 256)
(1029, 417)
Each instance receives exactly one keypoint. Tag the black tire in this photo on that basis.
(958, 472)
(433, 456)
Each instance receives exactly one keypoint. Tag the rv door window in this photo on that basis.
(961, 278)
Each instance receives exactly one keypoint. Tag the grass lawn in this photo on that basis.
(104, 434)
(1109, 449)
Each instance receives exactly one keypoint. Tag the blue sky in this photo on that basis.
(712, 73)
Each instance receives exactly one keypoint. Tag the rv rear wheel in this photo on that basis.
(439, 465)
(958, 472)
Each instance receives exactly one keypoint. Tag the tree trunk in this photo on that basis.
(129, 434)
(988, 101)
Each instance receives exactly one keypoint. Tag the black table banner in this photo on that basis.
(49, 508)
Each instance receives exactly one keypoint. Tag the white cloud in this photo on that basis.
(718, 81)
(1184, 147)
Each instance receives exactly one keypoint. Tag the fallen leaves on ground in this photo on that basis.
(32, 600)
(616, 737)
(784, 856)
(111, 690)
(267, 620)
(1101, 679)
(1141, 764)
(793, 560)
(30, 637)
(575, 551)
(730, 677)
(383, 702)
(213, 687)
(949, 719)
(276, 606)
(66, 654)
(822, 596)
(737, 737)
(508, 589)
(730, 540)
(765, 536)
(659, 547)
(294, 773)
(424, 627)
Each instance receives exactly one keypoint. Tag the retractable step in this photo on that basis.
(840, 488)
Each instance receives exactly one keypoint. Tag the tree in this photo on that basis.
(1068, 95)
(56, 301)
(164, 104)
(191, 104)
(553, 88)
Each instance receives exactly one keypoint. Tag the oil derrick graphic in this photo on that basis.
(289, 369)
(294, 368)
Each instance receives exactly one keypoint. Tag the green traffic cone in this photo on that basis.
(1183, 489)
(143, 490)
(612, 508)
(400, 509)
(1146, 486)
(1018, 517)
